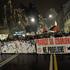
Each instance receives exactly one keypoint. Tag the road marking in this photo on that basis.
(8, 60)
(51, 63)
(55, 63)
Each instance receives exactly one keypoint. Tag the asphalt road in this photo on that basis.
(63, 62)
(38, 62)
(28, 62)
(4, 56)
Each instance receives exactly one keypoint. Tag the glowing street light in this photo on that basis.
(32, 19)
(50, 16)
(19, 22)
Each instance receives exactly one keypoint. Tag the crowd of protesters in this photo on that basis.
(17, 46)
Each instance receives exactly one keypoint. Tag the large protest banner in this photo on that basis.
(41, 46)
(59, 43)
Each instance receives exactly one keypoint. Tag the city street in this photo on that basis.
(63, 61)
(4, 56)
(28, 62)
(38, 62)
(34, 35)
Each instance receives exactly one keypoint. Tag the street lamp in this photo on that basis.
(32, 19)
(19, 22)
(50, 16)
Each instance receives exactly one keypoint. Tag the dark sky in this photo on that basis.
(44, 5)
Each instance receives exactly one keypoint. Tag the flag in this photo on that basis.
(55, 28)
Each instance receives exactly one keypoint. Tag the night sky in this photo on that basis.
(44, 5)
